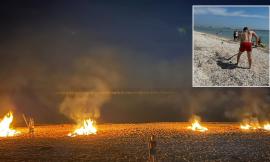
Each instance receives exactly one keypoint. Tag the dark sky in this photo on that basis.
(52, 46)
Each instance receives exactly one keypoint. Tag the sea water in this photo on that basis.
(228, 32)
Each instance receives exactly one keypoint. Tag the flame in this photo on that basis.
(196, 126)
(87, 128)
(245, 126)
(266, 127)
(5, 130)
(254, 124)
(248, 124)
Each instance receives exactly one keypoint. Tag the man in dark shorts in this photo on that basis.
(246, 44)
(152, 149)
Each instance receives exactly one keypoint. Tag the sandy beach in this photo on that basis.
(128, 142)
(214, 58)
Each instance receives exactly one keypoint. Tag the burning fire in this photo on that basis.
(254, 124)
(86, 128)
(267, 127)
(250, 126)
(5, 130)
(245, 126)
(250, 123)
(196, 126)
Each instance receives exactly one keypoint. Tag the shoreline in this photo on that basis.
(214, 35)
(230, 40)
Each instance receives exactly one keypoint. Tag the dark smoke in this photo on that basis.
(29, 85)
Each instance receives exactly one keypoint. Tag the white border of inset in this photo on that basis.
(269, 41)
(193, 43)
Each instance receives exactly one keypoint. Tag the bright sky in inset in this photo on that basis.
(235, 17)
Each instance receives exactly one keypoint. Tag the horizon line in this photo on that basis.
(214, 26)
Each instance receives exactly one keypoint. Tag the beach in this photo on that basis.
(128, 142)
(214, 58)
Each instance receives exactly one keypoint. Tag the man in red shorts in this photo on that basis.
(246, 44)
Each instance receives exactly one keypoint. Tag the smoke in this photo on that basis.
(82, 106)
(31, 83)
(6, 104)
(230, 104)
(107, 69)
(97, 72)
(195, 118)
(30, 86)
(254, 105)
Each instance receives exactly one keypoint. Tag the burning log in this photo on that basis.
(5, 130)
(196, 126)
(86, 128)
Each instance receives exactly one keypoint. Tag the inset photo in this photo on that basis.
(230, 46)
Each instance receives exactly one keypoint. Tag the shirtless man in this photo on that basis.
(246, 44)
(152, 144)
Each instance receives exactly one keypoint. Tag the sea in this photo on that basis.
(228, 32)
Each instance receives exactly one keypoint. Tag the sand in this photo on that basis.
(128, 142)
(212, 66)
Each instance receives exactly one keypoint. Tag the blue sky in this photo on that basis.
(235, 17)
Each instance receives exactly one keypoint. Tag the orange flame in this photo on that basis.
(250, 123)
(86, 128)
(266, 127)
(196, 126)
(5, 130)
(250, 126)
(254, 124)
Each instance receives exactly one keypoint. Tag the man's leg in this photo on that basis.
(238, 57)
(151, 158)
(249, 58)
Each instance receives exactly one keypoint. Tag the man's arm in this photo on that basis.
(257, 38)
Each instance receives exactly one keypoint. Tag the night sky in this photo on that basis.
(51, 46)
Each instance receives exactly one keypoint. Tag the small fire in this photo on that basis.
(196, 126)
(5, 130)
(251, 123)
(267, 127)
(86, 128)
(254, 124)
(245, 126)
